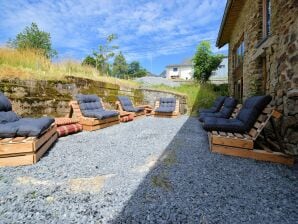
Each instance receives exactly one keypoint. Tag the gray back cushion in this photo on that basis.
(6, 113)
(5, 104)
(251, 110)
(167, 102)
(89, 102)
(125, 103)
(228, 107)
(218, 103)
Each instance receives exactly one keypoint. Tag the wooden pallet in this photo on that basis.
(89, 123)
(136, 114)
(20, 151)
(173, 114)
(243, 145)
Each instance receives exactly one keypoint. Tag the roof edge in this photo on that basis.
(223, 21)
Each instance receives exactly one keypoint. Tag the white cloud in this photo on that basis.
(144, 28)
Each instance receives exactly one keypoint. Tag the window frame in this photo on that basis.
(266, 12)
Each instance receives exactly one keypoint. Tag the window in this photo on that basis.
(239, 55)
(266, 17)
(175, 69)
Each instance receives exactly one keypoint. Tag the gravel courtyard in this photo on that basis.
(152, 170)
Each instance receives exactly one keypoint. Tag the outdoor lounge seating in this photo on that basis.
(23, 140)
(166, 107)
(91, 112)
(216, 105)
(237, 136)
(225, 111)
(124, 104)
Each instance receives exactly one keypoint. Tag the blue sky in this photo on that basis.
(156, 33)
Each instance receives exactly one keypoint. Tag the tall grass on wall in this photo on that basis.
(31, 64)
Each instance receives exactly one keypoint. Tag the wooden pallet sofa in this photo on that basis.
(23, 141)
(124, 104)
(237, 136)
(219, 101)
(166, 107)
(225, 111)
(91, 112)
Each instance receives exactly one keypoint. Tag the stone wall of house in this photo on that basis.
(37, 98)
(280, 50)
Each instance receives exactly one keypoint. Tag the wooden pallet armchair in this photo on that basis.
(125, 105)
(20, 151)
(23, 141)
(245, 145)
(163, 103)
(92, 123)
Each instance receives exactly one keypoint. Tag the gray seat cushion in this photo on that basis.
(103, 114)
(127, 104)
(33, 126)
(244, 121)
(166, 105)
(225, 112)
(25, 127)
(91, 106)
(216, 105)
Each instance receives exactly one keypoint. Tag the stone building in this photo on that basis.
(262, 37)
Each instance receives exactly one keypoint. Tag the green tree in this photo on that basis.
(89, 61)
(135, 70)
(33, 38)
(105, 52)
(120, 68)
(205, 62)
(134, 67)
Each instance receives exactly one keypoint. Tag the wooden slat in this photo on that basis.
(253, 132)
(238, 135)
(231, 135)
(41, 140)
(262, 118)
(254, 154)
(19, 160)
(258, 124)
(5, 140)
(99, 126)
(222, 133)
(18, 139)
(236, 142)
(45, 147)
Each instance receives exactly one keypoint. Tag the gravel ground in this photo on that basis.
(149, 81)
(152, 170)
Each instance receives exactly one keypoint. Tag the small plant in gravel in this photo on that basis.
(170, 159)
(161, 181)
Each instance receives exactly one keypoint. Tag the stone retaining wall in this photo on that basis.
(37, 98)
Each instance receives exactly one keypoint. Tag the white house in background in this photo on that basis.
(180, 71)
(185, 71)
(220, 75)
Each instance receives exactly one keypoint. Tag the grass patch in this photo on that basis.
(29, 64)
(161, 181)
(199, 96)
(170, 158)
